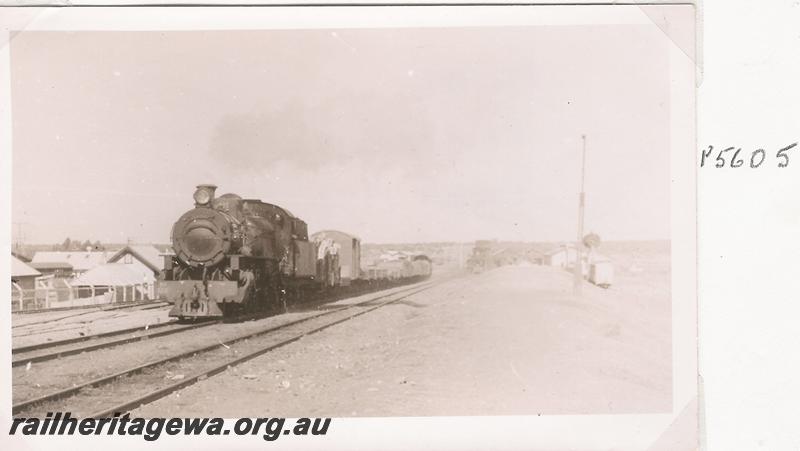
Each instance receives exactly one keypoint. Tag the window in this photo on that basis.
(128, 259)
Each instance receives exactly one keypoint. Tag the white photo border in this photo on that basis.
(549, 432)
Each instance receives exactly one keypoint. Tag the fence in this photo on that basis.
(65, 297)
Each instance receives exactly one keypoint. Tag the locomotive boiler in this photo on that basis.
(235, 255)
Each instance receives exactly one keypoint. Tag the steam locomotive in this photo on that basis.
(235, 256)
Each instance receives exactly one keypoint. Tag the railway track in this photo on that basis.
(52, 344)
(88, 311)
(146, 383)
(79, 327)
(53, 350)
(86, 307)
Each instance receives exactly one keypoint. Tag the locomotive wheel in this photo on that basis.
(275, 293)
(278, 296)
(231, 309)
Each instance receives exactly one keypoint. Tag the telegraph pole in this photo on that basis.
(20, 239)
(578, 279)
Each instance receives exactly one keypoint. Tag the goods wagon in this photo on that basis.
(349, 251)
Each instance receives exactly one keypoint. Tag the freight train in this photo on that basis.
(234, 256)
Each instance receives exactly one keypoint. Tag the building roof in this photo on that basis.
(109, 274)
(51, 265)
(21, 257)
(147, 254)
(335, 235)
(20, 269)
(80, 260)
(564, 247)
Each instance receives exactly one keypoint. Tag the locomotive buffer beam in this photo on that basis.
(194, 299)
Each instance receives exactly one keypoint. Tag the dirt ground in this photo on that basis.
(509, 341)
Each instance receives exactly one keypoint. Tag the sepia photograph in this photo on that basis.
(354, 216)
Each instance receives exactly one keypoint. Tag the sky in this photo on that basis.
(393, 135)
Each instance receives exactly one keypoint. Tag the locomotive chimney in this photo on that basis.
(204, 195)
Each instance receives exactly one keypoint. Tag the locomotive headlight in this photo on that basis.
(202, 196)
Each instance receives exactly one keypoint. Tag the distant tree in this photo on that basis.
(592, 241)
(98, 246)
(66, 245)
(86, 245)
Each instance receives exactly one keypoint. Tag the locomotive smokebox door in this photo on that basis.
(202, 237)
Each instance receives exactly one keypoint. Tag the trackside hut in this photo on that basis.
(601, 270)
(563, 256)
(145, 260)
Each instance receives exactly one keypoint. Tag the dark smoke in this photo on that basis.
(376, 131)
